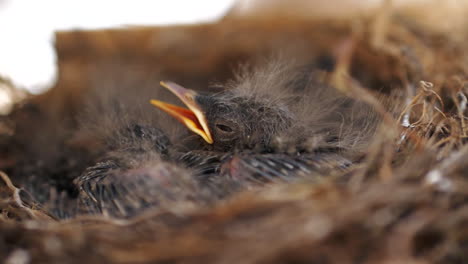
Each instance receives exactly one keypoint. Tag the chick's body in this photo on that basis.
(272, 123)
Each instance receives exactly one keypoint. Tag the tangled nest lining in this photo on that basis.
(406, 202)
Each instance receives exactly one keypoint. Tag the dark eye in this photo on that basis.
(224, 128)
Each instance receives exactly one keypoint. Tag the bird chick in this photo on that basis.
(267, 104)
(274, 122)
(274, 109)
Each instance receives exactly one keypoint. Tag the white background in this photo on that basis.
(26, 28)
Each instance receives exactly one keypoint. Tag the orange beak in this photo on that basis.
(193, 117)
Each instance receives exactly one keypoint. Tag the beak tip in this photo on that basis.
(154, 102)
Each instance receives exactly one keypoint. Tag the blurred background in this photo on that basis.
(35, 58)
(27, 27)
(28, 58)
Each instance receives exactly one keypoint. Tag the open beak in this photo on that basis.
(193, 117)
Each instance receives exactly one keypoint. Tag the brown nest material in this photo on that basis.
(405, 202)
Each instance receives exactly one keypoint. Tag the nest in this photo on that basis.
(406, 202)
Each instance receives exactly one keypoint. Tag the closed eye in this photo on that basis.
(224, 128)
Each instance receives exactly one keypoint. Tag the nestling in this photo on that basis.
(271, 123)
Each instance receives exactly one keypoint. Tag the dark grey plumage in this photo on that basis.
(282, 106)
(272, 123)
